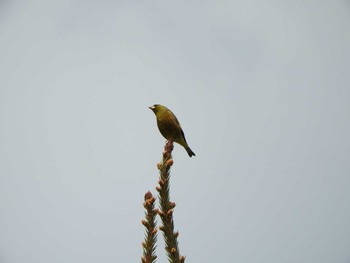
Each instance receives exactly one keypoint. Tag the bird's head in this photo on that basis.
(156, 108)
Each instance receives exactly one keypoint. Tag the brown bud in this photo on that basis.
(182, 259)
(161, 182)
(148, 195)
(158, 188)
(169, 145)
(159, 166)
(169, 162)
(161, 228)
(172, 204)
(173, 250)
(176, 234)
(144, 222)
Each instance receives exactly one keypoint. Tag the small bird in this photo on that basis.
(170, 127)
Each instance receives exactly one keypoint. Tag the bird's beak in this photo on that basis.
(151, 107)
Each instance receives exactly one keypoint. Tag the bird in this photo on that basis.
(170, 127)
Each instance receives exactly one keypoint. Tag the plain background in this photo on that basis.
(261, 88)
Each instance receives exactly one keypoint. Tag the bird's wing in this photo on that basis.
(176, 120)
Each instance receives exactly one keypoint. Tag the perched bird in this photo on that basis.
(170, 127)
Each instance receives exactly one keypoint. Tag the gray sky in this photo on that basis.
(261, 88)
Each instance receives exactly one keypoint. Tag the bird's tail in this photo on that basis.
(189, 151)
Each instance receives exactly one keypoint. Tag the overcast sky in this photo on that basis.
(262, 91)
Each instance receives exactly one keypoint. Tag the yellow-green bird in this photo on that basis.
(170, 127)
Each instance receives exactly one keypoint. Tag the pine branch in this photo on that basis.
(167, 207)
(149, 245)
